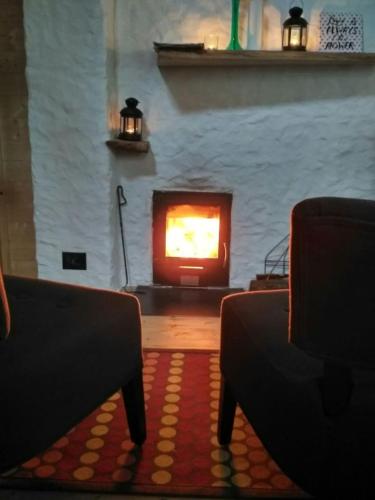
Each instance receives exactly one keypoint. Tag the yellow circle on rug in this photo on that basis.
(88, 458)
(104, 418)
(177, 362)
(100, 430)
(238, 448)
(109, 406)
(175, 371)
(220, 455)
(165, 446)
(167, 432)
(170, 408)
(174, 379)
(178, 355)
(173, 388)
(94, 443)
(161, 477)
(172, 398)
(241, 480)
(221, 471)
(163, 461)
(83, 473)
(115, 396)
(240, 463)
(169, 420)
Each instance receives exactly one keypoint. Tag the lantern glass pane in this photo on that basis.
(304, 37)
(286, 37)
(138, 125)
(129, 125)
(295, 36)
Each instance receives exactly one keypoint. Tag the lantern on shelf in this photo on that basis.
(131, 121)
(295, 30)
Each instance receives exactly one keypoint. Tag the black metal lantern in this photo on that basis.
(131, 121)
(295, 30)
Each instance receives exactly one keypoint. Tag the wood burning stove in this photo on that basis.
(191, 238)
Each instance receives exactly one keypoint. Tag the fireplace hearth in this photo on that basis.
(191, 238)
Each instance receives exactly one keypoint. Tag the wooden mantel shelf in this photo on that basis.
(262, 58)
(132, 146)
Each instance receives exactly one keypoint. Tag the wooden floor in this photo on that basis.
(173, 332)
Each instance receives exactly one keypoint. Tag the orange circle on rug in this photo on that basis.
(52, 456)
(61, 443)
(126, 459)
(44, 471)
(281, 481)
(153, 354)
(31, 464)
(122, 475)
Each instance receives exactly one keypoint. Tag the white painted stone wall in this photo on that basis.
(271, 136)
(67, 82)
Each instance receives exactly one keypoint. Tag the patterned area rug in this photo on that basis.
(181, 455)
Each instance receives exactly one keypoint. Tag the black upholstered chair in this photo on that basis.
(64, 350)
(300, 363)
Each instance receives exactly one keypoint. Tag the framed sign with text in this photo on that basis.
(341, 32)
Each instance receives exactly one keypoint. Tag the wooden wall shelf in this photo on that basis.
(262, 58)
(132, 146)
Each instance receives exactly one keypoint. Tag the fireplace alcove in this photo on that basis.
(191, 238)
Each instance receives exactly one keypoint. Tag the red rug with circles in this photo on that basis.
(181, 455)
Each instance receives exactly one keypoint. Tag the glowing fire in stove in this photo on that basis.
(192, 231)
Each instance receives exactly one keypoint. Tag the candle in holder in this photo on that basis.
(211, 41)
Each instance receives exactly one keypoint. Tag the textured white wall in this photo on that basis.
(67, 81)
(272, 136)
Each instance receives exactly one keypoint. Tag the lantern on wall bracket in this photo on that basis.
(131, 121)
(295, 30)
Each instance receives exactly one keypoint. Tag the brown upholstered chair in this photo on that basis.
(300, 363)
(68, 349)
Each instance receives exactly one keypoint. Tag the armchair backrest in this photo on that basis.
(332, 280)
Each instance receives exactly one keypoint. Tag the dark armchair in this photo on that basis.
(68, 349)
(300, 363)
